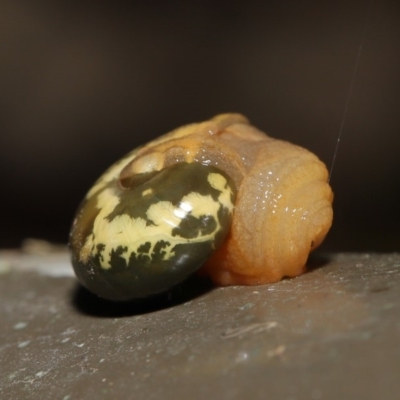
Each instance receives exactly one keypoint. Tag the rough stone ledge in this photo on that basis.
(333, 333)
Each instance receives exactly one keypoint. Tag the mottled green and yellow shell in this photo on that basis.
(219, 195)
(143, 236)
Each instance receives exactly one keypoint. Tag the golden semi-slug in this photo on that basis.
(219, 196)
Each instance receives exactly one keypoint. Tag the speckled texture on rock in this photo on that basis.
(332, 333)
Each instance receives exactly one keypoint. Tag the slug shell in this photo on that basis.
(219, 196)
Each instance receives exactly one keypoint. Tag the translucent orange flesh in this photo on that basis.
(283, 211)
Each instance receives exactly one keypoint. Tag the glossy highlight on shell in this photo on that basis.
(219, 196)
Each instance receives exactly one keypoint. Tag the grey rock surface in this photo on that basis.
(333, 333)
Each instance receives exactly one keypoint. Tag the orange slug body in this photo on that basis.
(283, 211)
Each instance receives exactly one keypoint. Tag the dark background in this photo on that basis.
(84, 82)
